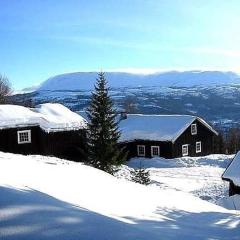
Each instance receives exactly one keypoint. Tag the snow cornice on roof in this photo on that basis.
(49, 117)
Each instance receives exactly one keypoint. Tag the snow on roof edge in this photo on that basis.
(56, 117)
(207, 125)
(227, 178)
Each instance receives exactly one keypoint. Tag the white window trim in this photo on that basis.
(193, 133)
(29, 136)
(152, 147)
(200, 150)
(139, 154)
(184, 154)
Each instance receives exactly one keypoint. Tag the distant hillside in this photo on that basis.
(213, 95)
(85, 80)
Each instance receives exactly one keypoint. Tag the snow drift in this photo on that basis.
(50, 198)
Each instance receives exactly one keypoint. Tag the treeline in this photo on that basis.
(5, 89)
(227, 142)
(7, 97)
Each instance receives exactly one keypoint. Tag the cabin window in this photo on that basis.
(185, 150)
(198, 147)
(194, 129)
(141, 150)
(24, 136)
(155, 151)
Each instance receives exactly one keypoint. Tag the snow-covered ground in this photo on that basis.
(50, 198)
(200, 176)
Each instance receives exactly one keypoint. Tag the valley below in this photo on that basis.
(219, 105)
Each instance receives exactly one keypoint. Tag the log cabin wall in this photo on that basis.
(204, 135)
(69, 144)
(131, 147)
(9, 140)
(66, 144)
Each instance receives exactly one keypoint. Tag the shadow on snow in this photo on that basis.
(29, 214)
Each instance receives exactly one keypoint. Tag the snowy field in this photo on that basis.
(50, 198)
(200, 176)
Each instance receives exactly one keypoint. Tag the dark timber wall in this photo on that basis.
(68, 144)
(131, 148)
(233, 189)
(171, 150)
(204, 135)
(9, 141)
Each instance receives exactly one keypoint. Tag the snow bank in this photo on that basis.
(49, 198)
(200, 176)
(50, 117)
(218, 160)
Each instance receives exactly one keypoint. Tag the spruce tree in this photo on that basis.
(103, 134)
(140, 175)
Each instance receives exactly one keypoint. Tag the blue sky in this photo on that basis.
(42, 38)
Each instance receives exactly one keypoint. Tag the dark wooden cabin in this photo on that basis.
(232, 175)
(167, 136)
(50, 129)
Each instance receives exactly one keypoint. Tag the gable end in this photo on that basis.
(195, 120)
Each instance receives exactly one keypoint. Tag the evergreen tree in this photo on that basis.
(219, 145)
(103, 133)
(140, 175)
(233, 138)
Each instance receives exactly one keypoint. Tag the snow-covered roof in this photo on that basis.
(14, 115)
(49, 116)
(156, 127)
(58, 117)
(232, 173)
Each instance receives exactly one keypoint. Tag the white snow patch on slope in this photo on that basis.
(200, 176)
(49, 198)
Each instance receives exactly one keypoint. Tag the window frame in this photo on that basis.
(28, 134)
(200, 150)
(194, 125)
(152, 147)
(183, 146)
(138, 152)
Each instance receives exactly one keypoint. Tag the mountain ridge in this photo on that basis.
(85, 80)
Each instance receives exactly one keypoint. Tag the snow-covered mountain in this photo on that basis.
(213, 95)
(85, 80)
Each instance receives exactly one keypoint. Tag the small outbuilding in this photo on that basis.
(167, 136)
(48, 129)
(232, 175)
